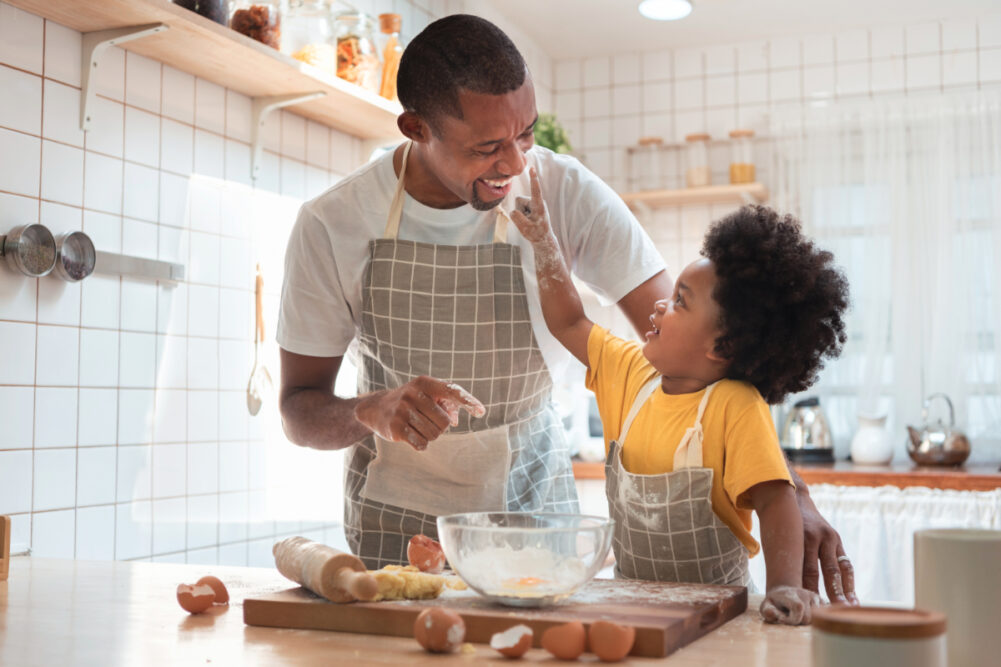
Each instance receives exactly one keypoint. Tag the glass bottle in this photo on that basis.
(741, 156)
(216, 10)
(357, 58)
(392, 51)
(258, 19)
(645, 164)
(308, 34)
(697, 173)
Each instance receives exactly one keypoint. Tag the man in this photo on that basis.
(414, 259)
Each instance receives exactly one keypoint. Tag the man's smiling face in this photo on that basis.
(475, 158)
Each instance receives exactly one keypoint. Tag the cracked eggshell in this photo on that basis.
(566, 641)
(195, 599)
(439, 630)
(425, 554)
(513, 642)
(221, 594)
(609, 641)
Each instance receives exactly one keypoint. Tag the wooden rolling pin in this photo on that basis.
(333, 574)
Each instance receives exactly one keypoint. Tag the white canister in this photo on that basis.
(871, 443)
(958, 572)
(844, 636)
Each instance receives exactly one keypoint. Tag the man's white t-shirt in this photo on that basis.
(602, 243)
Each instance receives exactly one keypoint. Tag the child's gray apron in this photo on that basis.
(459, 314)
(665, 527)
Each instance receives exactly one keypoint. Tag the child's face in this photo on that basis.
(685, 327)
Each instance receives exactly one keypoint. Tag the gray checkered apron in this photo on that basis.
(460, 314)
(665, 527)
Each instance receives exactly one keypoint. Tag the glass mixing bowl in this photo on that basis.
(525, 559)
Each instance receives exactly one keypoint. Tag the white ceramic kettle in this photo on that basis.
(871, 443)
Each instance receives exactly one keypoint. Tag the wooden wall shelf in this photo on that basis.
(845, 473)
(213, 52)
(745, 193)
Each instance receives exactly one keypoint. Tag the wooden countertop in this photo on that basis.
(64, 612)
(845, 473)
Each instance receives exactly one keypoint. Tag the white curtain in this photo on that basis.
(907, 193)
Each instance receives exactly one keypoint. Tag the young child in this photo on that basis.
(691, 446)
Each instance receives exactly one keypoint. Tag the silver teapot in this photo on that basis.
(937, 444)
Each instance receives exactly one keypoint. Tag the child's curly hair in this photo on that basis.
(781, 300)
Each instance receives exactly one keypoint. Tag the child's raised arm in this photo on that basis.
(561, 304)
(782, 543)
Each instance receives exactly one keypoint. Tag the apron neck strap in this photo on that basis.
(645, 392)
(396, 207)
(689, 452)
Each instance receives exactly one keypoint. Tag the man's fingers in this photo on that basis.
(466, 401)
(811, 570)
(537, 203)
(416, 440)
(832, 571)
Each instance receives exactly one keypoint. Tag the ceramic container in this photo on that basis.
(844, 636)
(958, 572)
(871, 443)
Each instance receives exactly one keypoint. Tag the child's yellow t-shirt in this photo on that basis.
(739, 439)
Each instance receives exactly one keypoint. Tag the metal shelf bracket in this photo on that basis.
(262, 106)
(113, 264)
(94, 44)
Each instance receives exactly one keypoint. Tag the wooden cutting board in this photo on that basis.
(666, 616)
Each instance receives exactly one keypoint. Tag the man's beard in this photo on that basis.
(481, 205)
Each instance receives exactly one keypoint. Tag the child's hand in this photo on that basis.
(529, 214)
(789, 605)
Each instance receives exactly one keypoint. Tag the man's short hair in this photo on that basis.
(454, 53)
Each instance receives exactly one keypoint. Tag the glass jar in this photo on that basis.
(216, 10)
(697, 173)
(645, 164)
(392, 50)
(741, 156)
(357, 59)
(258, 19)
(308, 34)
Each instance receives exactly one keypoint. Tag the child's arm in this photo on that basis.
(782, 543)
(561, 304)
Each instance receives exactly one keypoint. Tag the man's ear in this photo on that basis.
(413, 127)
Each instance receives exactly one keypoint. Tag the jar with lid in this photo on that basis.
(258, 19)
(844, 636)
(216, 10)
(644, 164)
(697, 173)
(357, 59)
(741, 156)
(392, 50)
(308, 34)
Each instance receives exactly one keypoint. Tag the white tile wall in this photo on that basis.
(720, 87)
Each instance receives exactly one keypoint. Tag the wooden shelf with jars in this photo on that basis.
(199, 46)
(743, 193)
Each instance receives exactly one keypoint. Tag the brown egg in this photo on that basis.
(513, 642)
(610, 641)
(221, 594)
(425, 554)
(195, 599)
(439, 630)
(566, 641)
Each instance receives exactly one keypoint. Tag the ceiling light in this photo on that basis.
(666, 10)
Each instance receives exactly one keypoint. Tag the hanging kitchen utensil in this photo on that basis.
(937, 444)
(260, 383)
(29, 249)
(75, 256)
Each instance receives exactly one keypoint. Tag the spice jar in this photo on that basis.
(644, 164)
(357, 59)
(845, 636)
(216, 10)
(392, 51)
(260, 20)
(308, 34)
(697, 173)
(741, 156)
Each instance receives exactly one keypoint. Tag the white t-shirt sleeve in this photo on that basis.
(609, 250)
(315, 317)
